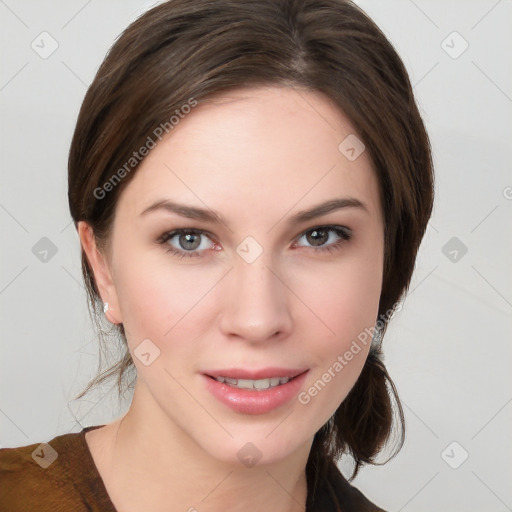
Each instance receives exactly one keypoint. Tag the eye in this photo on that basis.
(189, 243)
(186, 242)
(319, 237)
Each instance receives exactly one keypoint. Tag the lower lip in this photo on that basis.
(246, 401)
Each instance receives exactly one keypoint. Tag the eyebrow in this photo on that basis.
(208, 215)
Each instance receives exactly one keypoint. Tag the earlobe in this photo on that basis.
(102, 273)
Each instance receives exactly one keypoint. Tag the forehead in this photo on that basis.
(262, 149)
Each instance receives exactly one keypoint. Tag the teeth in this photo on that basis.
(246, 384)
(257, 385)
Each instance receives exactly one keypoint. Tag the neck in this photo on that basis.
(153, 465)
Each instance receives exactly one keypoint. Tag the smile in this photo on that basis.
(256, 385)
(255, 391)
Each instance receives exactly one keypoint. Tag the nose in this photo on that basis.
(256, 302)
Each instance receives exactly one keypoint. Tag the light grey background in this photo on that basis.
(448, 350)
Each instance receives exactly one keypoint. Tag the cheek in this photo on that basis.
(341, 300)
(144, 286)
(345, 307)
(163, 301)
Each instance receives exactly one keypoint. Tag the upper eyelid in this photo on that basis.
(336, 228)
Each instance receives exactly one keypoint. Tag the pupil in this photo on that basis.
(319, 237)
(189, 238)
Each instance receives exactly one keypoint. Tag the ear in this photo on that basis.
(102, 273)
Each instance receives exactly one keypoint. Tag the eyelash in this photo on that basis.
(345, 234)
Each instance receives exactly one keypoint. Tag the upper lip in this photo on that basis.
(251, 374)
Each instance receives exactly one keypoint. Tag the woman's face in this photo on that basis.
(254, 287)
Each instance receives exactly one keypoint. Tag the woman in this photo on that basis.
(250, 182)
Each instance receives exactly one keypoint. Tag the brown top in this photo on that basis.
(61, 476)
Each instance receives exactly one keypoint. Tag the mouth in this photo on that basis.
(255, 380)
(256, 385)
(255, 391)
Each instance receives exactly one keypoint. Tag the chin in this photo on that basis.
(261, 446)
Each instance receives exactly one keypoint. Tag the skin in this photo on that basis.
(257, 157)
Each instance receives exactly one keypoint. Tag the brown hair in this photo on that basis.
(185, 49)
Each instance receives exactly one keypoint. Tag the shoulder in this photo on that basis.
(39, 476)
(347, 496)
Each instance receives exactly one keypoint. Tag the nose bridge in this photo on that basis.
(257, 306)
(255, 276)
(252, 263)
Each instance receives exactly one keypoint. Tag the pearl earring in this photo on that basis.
(105, 307)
